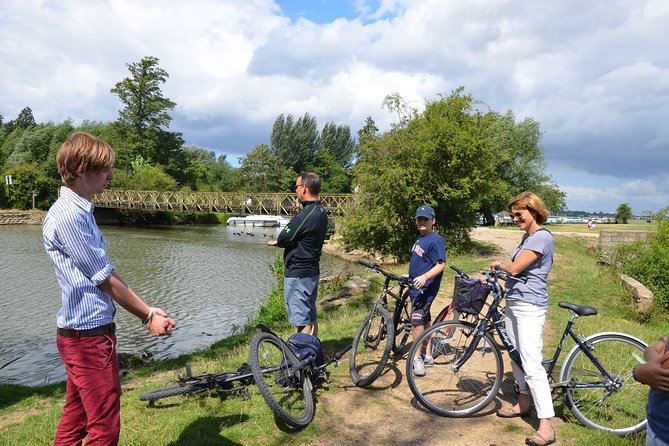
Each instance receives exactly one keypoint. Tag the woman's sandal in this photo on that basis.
(538, 440)
(507, 412)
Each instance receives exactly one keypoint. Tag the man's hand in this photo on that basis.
(161, 324)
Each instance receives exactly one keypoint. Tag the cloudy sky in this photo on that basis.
(594, 74)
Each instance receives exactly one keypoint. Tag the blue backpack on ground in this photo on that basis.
(305, 346)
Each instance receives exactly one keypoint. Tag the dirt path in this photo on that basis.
(388, 414)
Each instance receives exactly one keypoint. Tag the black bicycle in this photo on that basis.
(285, 381)
(223, 383)
(380, 333)
(596, 376)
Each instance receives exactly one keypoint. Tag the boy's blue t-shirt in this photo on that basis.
(427, 250)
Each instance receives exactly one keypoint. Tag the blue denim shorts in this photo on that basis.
(299, 294)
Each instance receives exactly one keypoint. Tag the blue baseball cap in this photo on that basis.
(424, 211)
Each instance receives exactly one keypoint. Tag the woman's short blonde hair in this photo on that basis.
(528, 200)
(82, 152)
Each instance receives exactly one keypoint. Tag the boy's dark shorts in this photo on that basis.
(420, 312)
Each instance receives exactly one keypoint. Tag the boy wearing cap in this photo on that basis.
(428, 257)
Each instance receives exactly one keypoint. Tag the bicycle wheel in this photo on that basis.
(456, 394)
(174, 389)
(617, 406)
(285, 386)
(371, 347)
(401, 324)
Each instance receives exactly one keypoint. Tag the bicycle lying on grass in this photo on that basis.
(223, 383)
(380, 333)
(285, 381)
(596, 376)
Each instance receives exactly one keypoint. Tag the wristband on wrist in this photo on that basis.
(148, 318)
(634, 374)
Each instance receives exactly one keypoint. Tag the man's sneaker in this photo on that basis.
(428, 361)
(418, 367)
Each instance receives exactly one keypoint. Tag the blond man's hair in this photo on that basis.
(82, 152)
(528, 200)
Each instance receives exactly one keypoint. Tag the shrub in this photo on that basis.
(273, 312)
(648, 262)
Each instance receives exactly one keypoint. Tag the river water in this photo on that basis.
(210, 279)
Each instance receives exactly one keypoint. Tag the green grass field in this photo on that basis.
(29, 415)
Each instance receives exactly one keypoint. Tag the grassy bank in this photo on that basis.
(30, 415)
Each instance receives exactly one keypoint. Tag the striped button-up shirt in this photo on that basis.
(78, 250)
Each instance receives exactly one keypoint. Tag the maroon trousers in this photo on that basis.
(93, 392)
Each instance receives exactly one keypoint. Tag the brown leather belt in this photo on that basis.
(97, 331)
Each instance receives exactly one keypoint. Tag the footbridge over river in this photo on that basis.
(256, 203)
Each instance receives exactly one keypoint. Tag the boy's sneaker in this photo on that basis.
(428, 361)
(418, 367)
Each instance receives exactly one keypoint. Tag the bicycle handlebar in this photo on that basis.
(460, 272)
(492, 275)
(335, 358)
(377, 269)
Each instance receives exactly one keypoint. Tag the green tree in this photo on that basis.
(623, 213)
(369, 130)
(144, 120)
(39, 144)
(338, 141)
(27, 179)
(334, 178)
(25, 118)
(520, 166)
(145, 106)
(294, 142)
(443, 157)
(8, 144)
(261, 171)
(143, 176)
(224, 176)
(405, 113)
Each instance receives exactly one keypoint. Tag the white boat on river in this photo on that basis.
(265, 221)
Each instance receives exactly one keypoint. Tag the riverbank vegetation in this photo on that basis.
(29, 415)
(648, 261)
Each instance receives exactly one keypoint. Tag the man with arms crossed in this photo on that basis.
(303, 240)
(86, 337)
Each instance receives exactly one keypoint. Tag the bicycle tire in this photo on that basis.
(401, 325)
(371, 348)
(284, 385)
(473, 387)
(619, 411)
(174, 389)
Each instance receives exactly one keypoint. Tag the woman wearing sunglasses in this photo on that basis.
(526, 305)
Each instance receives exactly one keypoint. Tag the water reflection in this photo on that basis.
(210, 279)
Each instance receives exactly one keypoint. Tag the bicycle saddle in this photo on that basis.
(581, 310)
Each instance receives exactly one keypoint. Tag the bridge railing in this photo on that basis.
(220, 202)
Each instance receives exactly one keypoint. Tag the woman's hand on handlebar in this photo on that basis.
(496, 265)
